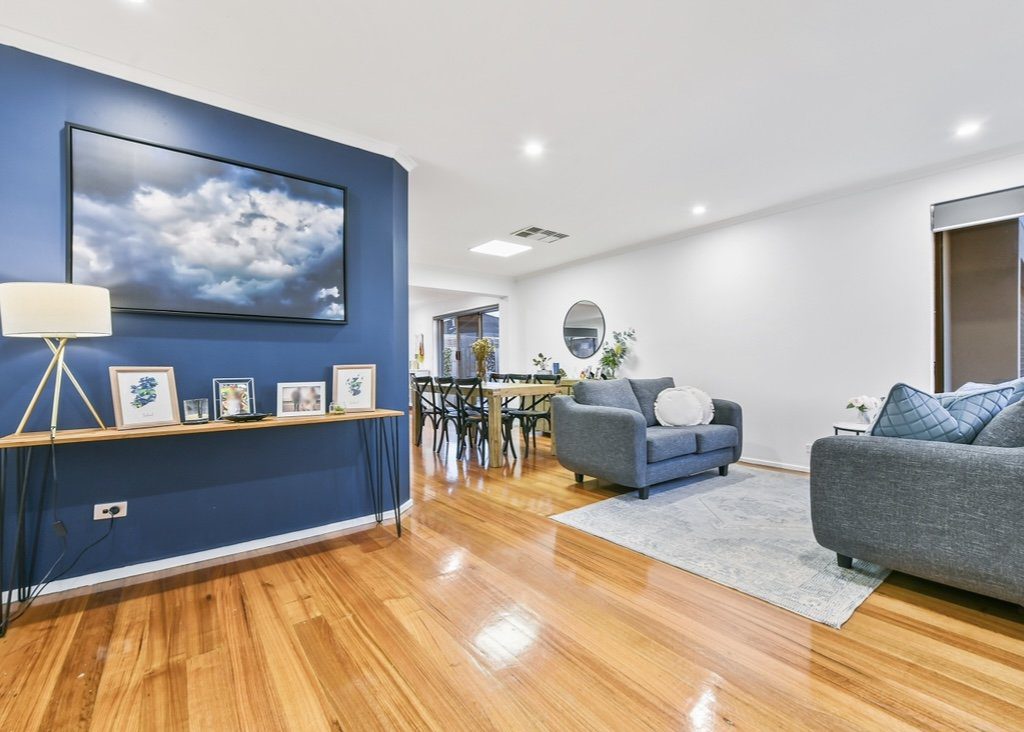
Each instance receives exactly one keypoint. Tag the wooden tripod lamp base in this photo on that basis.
(56, 312)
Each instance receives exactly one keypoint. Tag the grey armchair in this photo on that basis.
(608, 430)
(951, 513)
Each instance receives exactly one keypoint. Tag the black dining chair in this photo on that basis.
(470, 417)
(532, 410)
(447, 404)
(429, 400)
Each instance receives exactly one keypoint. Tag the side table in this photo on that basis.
(856, 428)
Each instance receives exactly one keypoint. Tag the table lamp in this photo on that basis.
(55, 312)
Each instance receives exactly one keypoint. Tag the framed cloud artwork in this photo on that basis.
(144, 396)
(185, 233)
(355, 387)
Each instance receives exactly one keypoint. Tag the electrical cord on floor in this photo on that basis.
(62, 532)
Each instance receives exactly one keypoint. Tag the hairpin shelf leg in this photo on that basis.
(14, 578)
(382, 463)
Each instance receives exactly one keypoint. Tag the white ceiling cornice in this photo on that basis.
(76, 57)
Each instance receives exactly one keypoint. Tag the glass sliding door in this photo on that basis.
(456, 333)
(469, 331)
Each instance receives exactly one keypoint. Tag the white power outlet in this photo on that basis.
(101, 511)
(809, 447)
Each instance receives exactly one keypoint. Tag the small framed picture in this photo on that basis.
(300, 398)
(355, 387)
(144, 396)
(196, 411)
(233, 396)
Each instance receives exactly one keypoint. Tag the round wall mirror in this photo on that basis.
(583, 329)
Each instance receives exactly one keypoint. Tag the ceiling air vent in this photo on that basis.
(535, 233)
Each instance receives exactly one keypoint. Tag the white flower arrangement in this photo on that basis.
(866, 405)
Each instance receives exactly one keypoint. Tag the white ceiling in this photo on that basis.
(646, 107)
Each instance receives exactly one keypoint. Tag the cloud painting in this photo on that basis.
(169, 231)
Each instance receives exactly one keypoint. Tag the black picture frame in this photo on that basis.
(70, 128)
(250, 393)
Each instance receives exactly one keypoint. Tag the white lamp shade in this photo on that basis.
(54, 310)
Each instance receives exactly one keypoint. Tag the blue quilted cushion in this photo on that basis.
(916, 415)
(1016, 396)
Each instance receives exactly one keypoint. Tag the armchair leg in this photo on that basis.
(645, 493)
(723, 470)
(579, 477)
(844, 561)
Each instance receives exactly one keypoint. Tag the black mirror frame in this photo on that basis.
(604, 329)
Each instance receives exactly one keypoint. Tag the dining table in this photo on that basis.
(496, 393)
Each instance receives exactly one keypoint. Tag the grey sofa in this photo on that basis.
(608, 430)
(951, 513)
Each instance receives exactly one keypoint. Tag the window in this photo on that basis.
(456, 333)
(979, 320)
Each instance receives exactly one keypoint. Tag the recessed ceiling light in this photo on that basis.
(968, 129)
(533, 149)
(499, 248)
(699, 209)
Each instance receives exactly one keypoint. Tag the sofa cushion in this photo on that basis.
(683, 406)
(916, 415)
(970, 386)
(711, 437)
(669, 442)
(612, 393)
(646, 391)
(1005, 430)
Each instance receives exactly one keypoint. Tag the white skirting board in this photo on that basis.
(774, 464)
(133, 570)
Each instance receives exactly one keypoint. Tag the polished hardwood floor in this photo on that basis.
(488, 615)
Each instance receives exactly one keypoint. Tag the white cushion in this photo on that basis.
(682, 406)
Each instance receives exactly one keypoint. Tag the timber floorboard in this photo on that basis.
(487, 615)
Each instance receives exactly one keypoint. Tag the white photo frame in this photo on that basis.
(144, 396)
(355, 387)
(301, 398)
(233, 396)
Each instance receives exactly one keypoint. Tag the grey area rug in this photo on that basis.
(750, 531)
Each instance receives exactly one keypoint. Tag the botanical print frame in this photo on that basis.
(233, 396)
(301, 398)
(180, 232)
(144, 396)
(355, 387)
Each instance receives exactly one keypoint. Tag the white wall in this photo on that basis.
(789, 315)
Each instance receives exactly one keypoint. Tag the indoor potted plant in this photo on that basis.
(614, 353)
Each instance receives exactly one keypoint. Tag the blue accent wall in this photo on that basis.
(187, 494)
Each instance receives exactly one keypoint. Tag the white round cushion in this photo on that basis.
(682, 406)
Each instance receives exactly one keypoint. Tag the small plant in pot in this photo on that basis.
(617, 351)
(540, 363)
